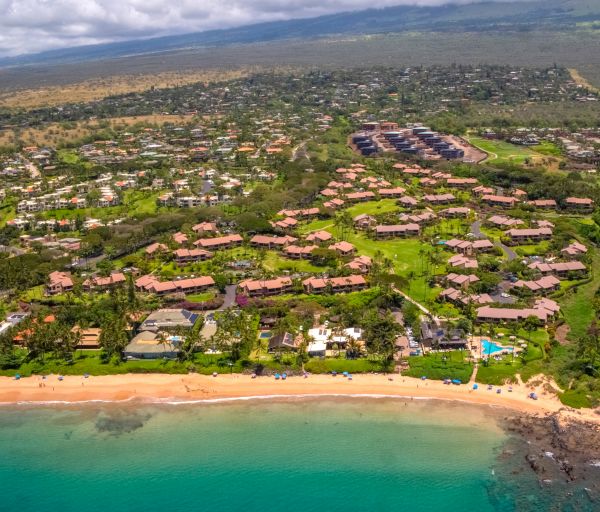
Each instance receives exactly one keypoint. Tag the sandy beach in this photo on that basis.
(193, 387)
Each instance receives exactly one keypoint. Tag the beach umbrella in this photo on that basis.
(345, 374)
(334, 373)
(284, 376)
(456, 381)
(17, 376)
(215, 374)
(60, 377)
(475, 386)
(277, 376)
(424, 377)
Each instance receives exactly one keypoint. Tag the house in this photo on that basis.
(390, 231)
(166, 319)
(461, 261)
(579, 203)
(335, 284)
(494, 200)
(298, 252)
(364, 221)
(461, 298)
(434, 335)
(319, 236)
(355, 197)
(439, 198)
(482, 191)
(461, 182)
(518, 236)
(221, 242)
(154, 248)
(461, 280)
(343, 248)
(408, 201)
(282, 342)
(468, 247)
(324, 339)
(334, 204)
(180, 238)
(104, 283)
(205, 228)
(417, 218)
(391, 192)
(152, 345)
(361, 264)
(543, 285)
(544, 204)
(285, 224)
(574, 250)
(183, 256)
(256, 288)
(271, 242)
(89, 339)
(560, 269)
(151, 284)
(454, 213)
(504, 222)
(59, 282)
(543, 309)
(302, 214)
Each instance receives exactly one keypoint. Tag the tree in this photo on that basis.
(530, 324)
(380, 333)
(588, 347)
(113, 338)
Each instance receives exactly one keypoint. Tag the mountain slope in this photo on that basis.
(482, 16)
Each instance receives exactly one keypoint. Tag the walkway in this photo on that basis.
(476, 230)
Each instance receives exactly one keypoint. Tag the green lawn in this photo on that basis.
(547, 148)
(373, 207)
(576, 305)
(533, 250)
(200, 297)
(500, 151)
(439, 366)
(276, 262)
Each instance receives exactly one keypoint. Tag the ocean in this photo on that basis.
(294, 455)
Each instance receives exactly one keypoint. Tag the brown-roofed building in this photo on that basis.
(183, 256)
(221, 242)
(155, 248)
(271, 242)
(456, 212)
(205, 229)
(298, 252)
(361, 264)
(180, 238)
(151, 284)
(334, 284)
(579, 203)
(256, 288)
(439, 198)
(544, 204)
(391, 231)
(461, 182)
(520, 236)
(543, 285)
(358, 197)
(408, 201)
(391, 192)
(319, 236)
(59, 282)
(574, 250)
(560, 269)
(104, 283)
(494, 200)
(343, 248)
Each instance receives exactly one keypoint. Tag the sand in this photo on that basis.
(193, 387)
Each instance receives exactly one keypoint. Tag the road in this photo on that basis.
(31, 168)
(476, 230)
(300, 152)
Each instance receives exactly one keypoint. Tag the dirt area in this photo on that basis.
(472, 154)
(579, 80)
(56, 133)
(561, 334)
(98, 88)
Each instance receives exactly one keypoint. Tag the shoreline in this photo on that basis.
(195, 388)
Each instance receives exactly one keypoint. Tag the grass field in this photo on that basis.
(576, 305)
(439, 366)
(503, 152)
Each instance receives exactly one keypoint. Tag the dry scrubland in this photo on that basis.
(57, 133)
(98, 88)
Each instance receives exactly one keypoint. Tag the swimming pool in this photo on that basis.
(489, 347)
(265, 334)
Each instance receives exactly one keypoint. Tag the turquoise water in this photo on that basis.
(489, 347)
(351, 455)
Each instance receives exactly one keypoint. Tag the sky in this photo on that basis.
(29, 26)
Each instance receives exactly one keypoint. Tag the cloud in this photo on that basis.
(28, 26)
